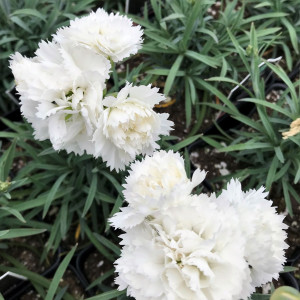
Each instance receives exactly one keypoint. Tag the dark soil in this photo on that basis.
(95, 266)
(74, 286)
(28, 250)
(69, 279)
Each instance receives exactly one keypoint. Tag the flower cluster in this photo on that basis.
(62, 88)
(178, 245)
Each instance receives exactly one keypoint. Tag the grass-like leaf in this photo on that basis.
(28, 12)
(18, 232)
(108, 295)
(6, 161)
(108, 244)
(172, 74)
(184, 143)
(59, 274)
(91, 195)
(247, 146)
(33, 277)
(271, 173)
(52, 193)
(210, 61)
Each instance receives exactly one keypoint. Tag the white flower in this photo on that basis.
(263, 229)
(155, 183)
(61, 92)
(192, 251)
(113, 36)
(129, 126)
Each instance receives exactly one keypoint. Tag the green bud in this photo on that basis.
(285, 293)
(249, 50)
(4, 185)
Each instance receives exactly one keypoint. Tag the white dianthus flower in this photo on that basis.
(192, 251)
(155, 183)
(113, 36)
(263, 229)
(61, 91)
(129, 126)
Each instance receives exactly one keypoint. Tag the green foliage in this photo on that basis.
(73, 196)
(7, 188)
(58, 274)
(185, 42)
(57, 193)
(267, 158)
(79, 188)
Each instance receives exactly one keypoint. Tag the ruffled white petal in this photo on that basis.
(128, 127)
(112, 36)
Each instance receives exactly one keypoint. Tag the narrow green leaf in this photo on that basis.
(167, 43)
(188, 104)
(271, 173)
(164, 72)
(191, 23)
(15, 213)
(187, 163)
(97, 244)
(273, 106)
(287, 269)
(184, 143)
(3, 232)
(283, 76)
(156, 8)
(248, 121)
(20, 23)
(282, 171)
(246, 146)
(240, 50)
(192, 90)
(59, 274)
(52, 193)
(215, 91)
(33, 277)
(172, 74)
(91, 195)
(116, 208)
(210, 61)
(108, 295)
(6, 161)
(287, 198)
(29, 12)
(267, 124)
(292, 33)
(297, 176)
(61, 293)
(18, 232)
(264, 16)
(37, 202)
(295, 140)
(279, 154)
(253, 38)
(210, 33)
(108, 244)
(149, 49)
(210, 141)
(114, 181)
(173, 16)
(82, 5)
(101, 278)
